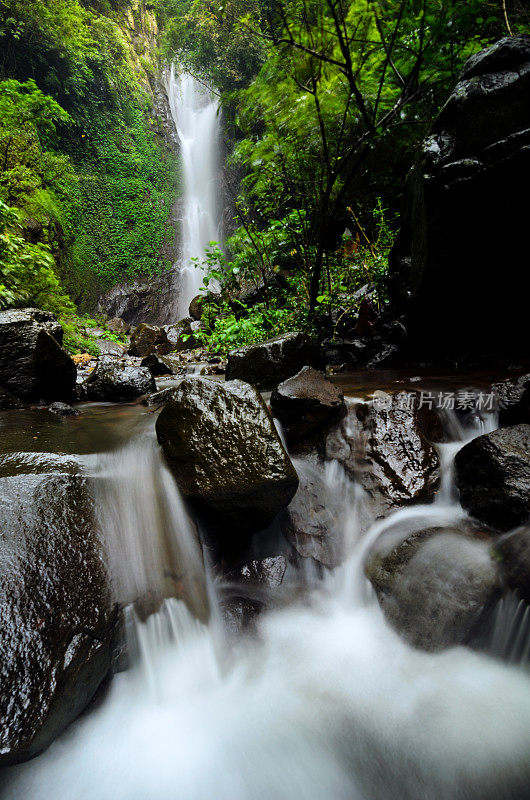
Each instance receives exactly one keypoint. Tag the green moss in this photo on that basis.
(81, 156)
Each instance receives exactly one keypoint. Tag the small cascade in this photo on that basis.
(151, 542)
(195, 112)
(326, 701)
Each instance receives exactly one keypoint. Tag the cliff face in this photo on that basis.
(464, 228)
(100, 183)
(150, 298)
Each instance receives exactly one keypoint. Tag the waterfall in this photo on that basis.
(195, 112)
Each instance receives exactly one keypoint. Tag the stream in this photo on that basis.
(319, 699)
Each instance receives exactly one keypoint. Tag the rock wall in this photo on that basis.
(459, 266)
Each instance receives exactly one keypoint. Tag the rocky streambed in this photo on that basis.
(283, 493)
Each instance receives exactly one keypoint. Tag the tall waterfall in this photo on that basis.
(195, 113)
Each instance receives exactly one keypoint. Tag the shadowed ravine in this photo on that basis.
(323, 701)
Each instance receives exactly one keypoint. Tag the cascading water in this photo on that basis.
(195, 112)
(326, 701)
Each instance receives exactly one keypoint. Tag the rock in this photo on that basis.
(306, 404)
(226, 454)
(155, 365)
(195, 309)
(114, 381)
(118, 325)
(145, 339)
(107, 347)
(180, 335)
(513, 400)
(56, 618)
(435, 586)
(264, 573)
(387, 450)
(267, 364)
(33, 365)
(385, 357)
(463, 224)
(63, 410)
(513, 552)
(493, 476)
(248, 588)
(8, 401)
(312, 522)
(344, 351)
(173, 363)
(140, 301)
(45, 319)
(158, 398)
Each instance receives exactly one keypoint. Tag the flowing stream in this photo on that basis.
(323, 700)
(195, 112)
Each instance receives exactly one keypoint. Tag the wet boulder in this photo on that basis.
(225, 453)
(248, 588)
(114, 380)
(388, 448)
(513, 400)
(493, 476)
(146, 339)
(313, 522)
(435, 586)
(33, 365)
(158, 399)
(306, 404)
(513, 552)
(155, 365)
(463, 218)
(267, 364)
(196, 309)
(63, 410)
(56, 617)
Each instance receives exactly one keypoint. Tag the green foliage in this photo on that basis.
(27, 276)
(121, 200)
(332, 119)
(282, 274)
(80, 154)
(78, 338)
(210, 42)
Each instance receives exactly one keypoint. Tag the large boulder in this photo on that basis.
(147, 339)
(435, 586)
(226, 454)
(155, 365)
(463, 232)
(513, 400)
(513, 552)
(266, 364)
(306, 404)
(56, 617)
(388, 449)
(114, 380)
(493, 476)
(33, 365)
